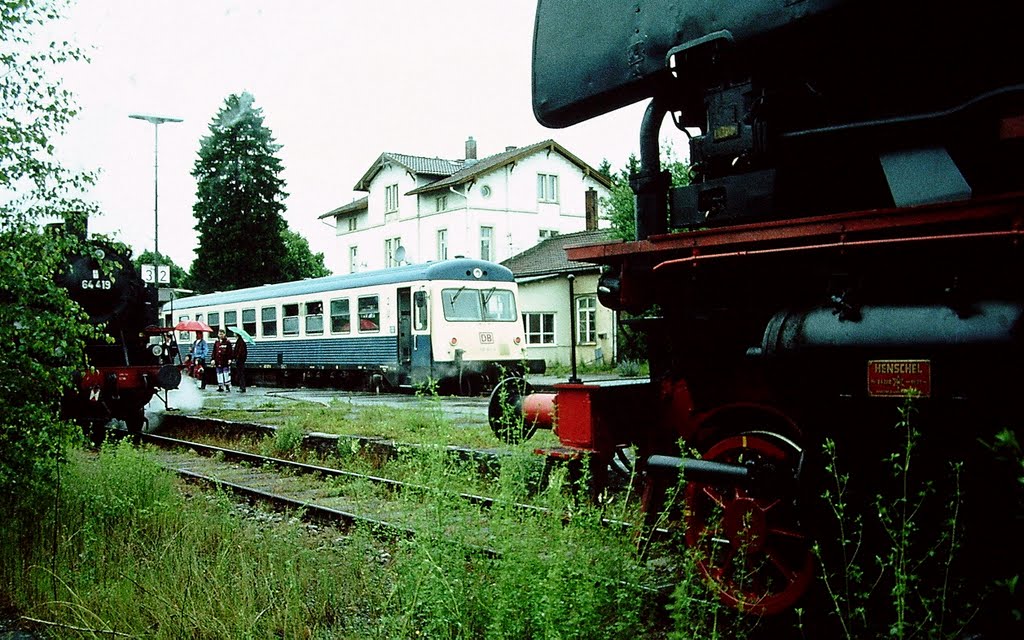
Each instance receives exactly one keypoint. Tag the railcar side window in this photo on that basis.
(419, 317)
(341, 316)
(214, 320)
(314, 312)
(290, 319)
(269, 317)
(249, 321)
(230, 319)
(183, 335)
(499, 305)
(369, 314)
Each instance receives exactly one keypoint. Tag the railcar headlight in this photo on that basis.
(156, 349)
(453, 341)
(517, 340)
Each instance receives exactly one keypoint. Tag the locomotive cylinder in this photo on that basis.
(988, 323)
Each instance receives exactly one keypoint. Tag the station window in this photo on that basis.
(230, 319)
(369, 314)
(214, 320)
(539, 327)
(391, 198)
(547, 188)
(249, 321)
(341, 316)
(314, 312)
(290, 319)
(269, 317)
(586, 319)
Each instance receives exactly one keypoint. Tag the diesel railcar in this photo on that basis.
(454, 322)
(851, 236)
(125, 371)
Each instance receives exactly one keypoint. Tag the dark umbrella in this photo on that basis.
(192, 325)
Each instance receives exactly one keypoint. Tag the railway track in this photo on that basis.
(334, 496)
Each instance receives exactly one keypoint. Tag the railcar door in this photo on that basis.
(405, 329)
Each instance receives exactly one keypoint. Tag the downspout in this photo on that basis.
(465, 196)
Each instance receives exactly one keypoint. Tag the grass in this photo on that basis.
(122, 550)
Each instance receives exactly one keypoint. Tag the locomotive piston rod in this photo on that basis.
(762, 474)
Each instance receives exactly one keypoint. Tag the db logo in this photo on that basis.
(486, 337)
(94, 394)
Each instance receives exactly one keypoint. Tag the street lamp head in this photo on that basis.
(154, 119)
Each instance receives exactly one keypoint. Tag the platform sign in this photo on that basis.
(893, 378)
(156, 274)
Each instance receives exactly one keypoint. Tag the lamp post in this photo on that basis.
(157, 121)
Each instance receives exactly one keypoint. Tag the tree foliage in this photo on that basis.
(620, 205)
(239, 202)
(300, 261)
(42, 330)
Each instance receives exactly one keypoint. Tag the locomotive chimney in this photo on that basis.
(470, 149)
(590, 206)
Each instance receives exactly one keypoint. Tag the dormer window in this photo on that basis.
(391, 198)
(352, 223)
(547, 188)
(441, 203)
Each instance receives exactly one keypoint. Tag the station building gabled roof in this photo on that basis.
(548, 256)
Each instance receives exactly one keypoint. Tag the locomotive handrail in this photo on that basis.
(803, 229)
(842, 244)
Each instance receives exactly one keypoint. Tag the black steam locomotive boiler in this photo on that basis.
(851, 236)
(125, 370)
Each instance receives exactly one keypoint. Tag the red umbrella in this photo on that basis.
(192, 325)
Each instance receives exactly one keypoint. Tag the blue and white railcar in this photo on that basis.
(455, 322)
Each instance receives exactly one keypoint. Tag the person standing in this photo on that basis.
(241, 353)
(222, 359)
(199, 354)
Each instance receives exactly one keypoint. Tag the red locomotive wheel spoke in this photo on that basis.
(787, 533)
(712, 493)
(788, 572)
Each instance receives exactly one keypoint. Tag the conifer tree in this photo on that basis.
(239, 202)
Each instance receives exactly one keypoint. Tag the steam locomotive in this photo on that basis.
(125, 371)
(851, 237)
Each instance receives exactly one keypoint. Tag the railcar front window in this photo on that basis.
(500, 305)
(474, 305)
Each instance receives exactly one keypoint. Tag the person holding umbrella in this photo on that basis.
(241, 353)
(199, 354)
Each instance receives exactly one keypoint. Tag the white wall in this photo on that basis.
(511, 209)
(551, 295)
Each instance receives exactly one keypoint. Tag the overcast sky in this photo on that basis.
(339, 82)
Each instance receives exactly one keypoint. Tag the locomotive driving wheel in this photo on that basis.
(749, 543)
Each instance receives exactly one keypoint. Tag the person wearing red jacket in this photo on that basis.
(222, 353)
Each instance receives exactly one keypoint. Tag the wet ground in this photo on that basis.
(190, 400)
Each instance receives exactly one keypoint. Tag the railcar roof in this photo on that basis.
(457, 269)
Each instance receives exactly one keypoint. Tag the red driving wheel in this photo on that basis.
(749, 544)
